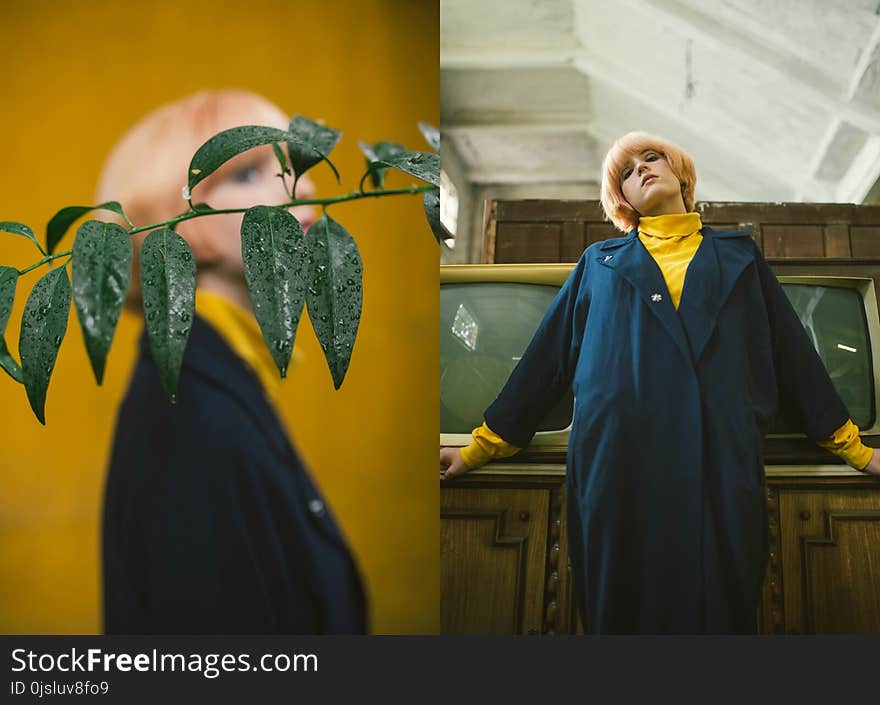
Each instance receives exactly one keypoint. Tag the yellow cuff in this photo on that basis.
(846, 444)
(474, 456)
(487, 445)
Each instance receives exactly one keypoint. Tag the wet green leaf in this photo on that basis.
(8, 281)
(432, 211)
(101, 271)
(422, 165)
(21, 229)
(275, 262)
(43, 326)
(376, 154)
(224, 146)
(312, 144)
(431, 135)
(334, 293)
(168, 283)
(281, 157)
(66, 217)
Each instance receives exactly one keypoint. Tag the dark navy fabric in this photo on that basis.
(666, 512)
(211, 522)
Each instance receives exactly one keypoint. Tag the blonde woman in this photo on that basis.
(211, 522)
(676, 378)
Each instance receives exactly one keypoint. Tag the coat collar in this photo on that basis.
(210, 357)
(717, 264)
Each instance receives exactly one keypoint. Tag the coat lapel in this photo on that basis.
(709, 281)
(629, 258)
(714, 270)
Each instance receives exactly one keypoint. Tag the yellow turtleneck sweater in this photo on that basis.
(672, 241)
(241, 332)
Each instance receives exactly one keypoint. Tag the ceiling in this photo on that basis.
(776, 100)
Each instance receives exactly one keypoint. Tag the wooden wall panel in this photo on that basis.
(793, 241)
(540, 209)
(596, 232)
(837, 240)
(865, 241)
(781, 230)
(527, 242)
(571, 242)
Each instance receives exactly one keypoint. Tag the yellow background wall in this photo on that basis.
(76, 76)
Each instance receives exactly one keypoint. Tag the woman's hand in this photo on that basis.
(450, 459)
(873, 466)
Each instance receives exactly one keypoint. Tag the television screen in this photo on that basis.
(484, 329)
(834, 318)
(486, 326)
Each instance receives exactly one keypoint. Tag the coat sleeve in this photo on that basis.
(547, 367)
(806, 391)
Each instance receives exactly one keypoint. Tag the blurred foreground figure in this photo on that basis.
(211, 522)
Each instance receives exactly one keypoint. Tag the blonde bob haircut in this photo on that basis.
(616, 207)
(147, 168)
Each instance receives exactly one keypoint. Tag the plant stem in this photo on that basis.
(192, 213)
(363, 178)
(284, 182)
(47, 258)
(353, 196)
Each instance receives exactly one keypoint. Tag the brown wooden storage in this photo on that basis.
(558, 231)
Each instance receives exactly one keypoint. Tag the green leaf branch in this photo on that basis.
(286, 270)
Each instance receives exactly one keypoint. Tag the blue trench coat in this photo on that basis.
(667, 519)
(212, 523)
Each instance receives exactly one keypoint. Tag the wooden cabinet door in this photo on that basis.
(830, 542)
(493, 551)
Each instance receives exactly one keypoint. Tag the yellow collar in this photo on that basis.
(241, 332)
(671, 225)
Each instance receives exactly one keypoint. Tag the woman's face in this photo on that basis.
(249, 179)
(649, 184)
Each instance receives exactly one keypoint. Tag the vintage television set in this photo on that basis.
(488, 314)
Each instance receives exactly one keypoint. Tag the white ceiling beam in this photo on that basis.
(519, 123)
(862, 175)
(616, 76)
(864, 62)
(828, 137)
(865, 170)
(489, 57)
(509, 174)
(514, 123)
(503, 57)
(822, 148)
(806, 83)
(708, 182)
(630, 83)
